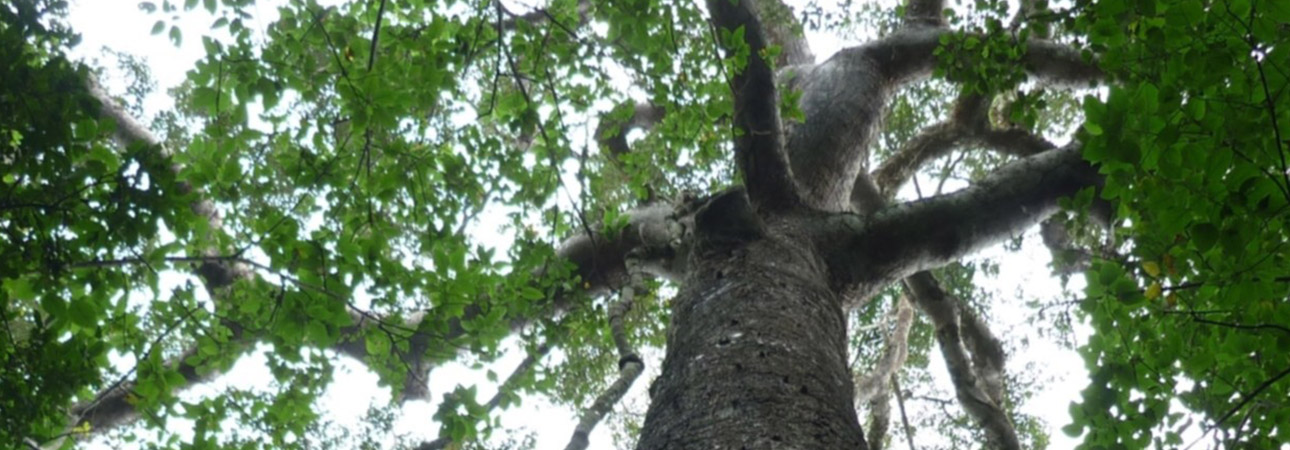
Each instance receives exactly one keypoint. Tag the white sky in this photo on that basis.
(120, 25)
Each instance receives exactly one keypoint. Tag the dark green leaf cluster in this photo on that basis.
(73, 210)
(1193, 141)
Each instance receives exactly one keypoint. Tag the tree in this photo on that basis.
(321, 181)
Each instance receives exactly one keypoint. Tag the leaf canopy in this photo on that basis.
(357, 155)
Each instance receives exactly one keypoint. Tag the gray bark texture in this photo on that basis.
(756, 354)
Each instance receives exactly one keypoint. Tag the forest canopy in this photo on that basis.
(769, 246)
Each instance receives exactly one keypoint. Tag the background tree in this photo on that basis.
(323, 182)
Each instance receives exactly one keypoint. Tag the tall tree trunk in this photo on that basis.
(756, 356)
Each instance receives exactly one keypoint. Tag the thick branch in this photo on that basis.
(1014, 141)
(895, 349)
(651, 235)
(1028, 9)
(909, 54)
(865, 253)
(843, 98)
(541, 16)
(967, 126)
(925, 12)
(112, 407)
(969, 114)
(931, 143)
(1067, 258)
(597, 259)
(1058, 64)
(842, 101)
(129, 132)
(611, 132)
(759, 141)
(978, 379)
(988, 357)
(784, 30)
(879, 420)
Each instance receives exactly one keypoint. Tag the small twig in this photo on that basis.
(904, 419)
(340, 62)
(242, 260)
(1244, 401)
(1239, 326)
(376, 33)
(507, 386)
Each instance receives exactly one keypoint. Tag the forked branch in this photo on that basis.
(978, 378)
(843, 98)
(968, 126)
(869, 251)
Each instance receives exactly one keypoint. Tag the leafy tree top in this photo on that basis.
(322, 177)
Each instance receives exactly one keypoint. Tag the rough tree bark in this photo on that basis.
(755, 354)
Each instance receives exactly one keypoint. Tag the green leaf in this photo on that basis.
(1148, 98)
(1073, 430)
(83, 312)
(176, 36)
(1276, 11)
(19, 289)
(211, 46)
(230, 172)
(529, 293)
(1152, 268)
(1203, 235)
(377, 346)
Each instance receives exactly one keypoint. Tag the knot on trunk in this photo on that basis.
(726, 221)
